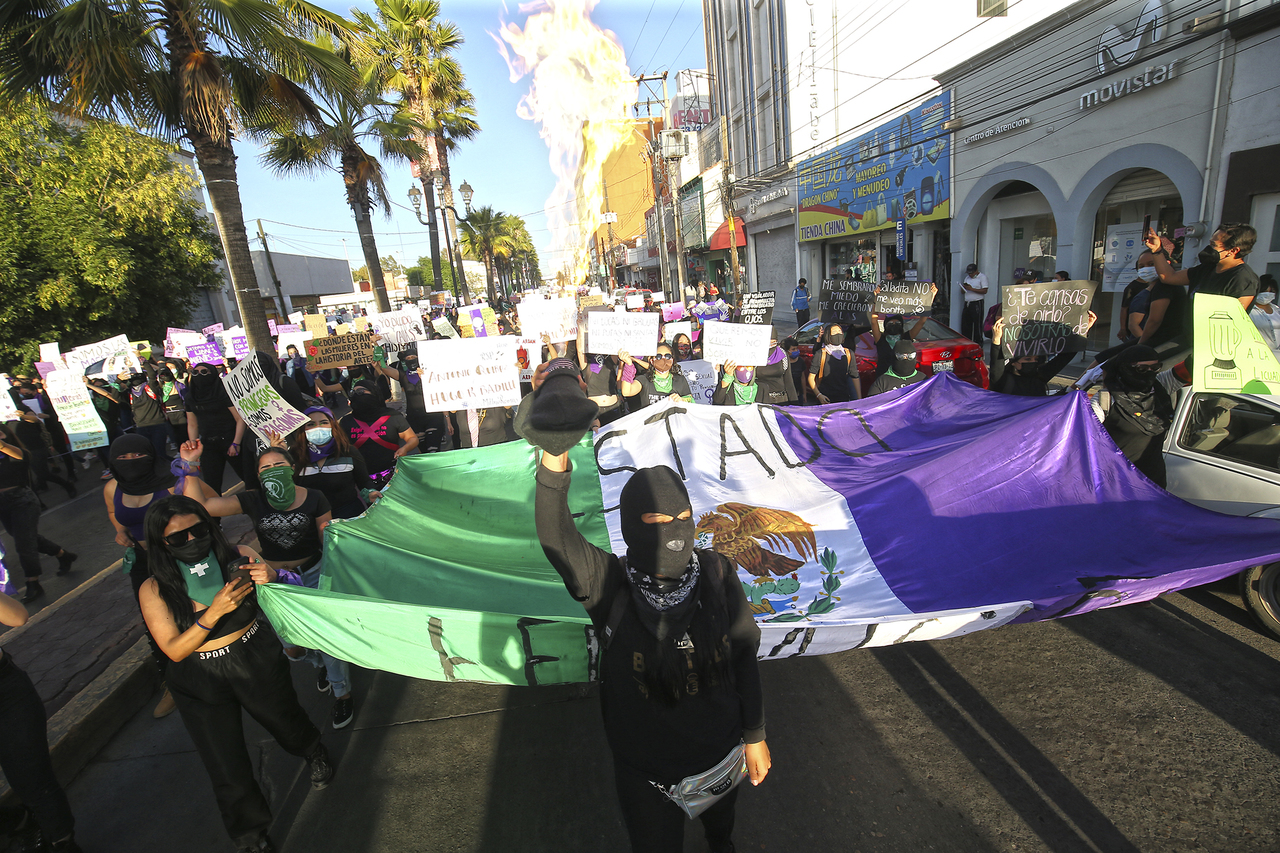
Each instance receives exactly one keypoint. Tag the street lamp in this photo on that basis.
(467, 193)
(415, 196)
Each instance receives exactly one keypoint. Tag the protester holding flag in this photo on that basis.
(680, 683)
(431, 427)
(1136, 407)
(774, 377)
(737, 386)
(661, 380)
(833, 374)
(20, 516)
(217, 423)
(382, 435)
(204, 615)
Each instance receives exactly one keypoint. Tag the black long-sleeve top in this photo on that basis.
(1007, 381)
(666, 743)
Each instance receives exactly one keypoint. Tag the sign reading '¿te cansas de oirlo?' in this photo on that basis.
(340, 350)
(1047, 318)
(261, 406)
(469, 373)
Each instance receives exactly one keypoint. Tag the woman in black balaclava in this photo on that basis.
(1136, 407)
(215, 421)
(680, 685)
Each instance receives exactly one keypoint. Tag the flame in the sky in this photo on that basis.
(580, 94)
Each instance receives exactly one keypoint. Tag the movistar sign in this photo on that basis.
(1121, 45)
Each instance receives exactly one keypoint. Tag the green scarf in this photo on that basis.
(204, 579)
(278, 486)
(662, 384)
(744, 394)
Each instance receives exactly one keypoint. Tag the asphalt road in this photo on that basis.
(1133, 729)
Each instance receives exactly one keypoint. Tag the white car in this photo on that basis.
(1223, 453)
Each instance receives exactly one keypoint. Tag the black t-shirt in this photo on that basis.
(1175, 315)
(1131, 290)
(13, 472)
(776, 386)
(1239, 281)
(887, 382)
(340, 479)
(834, 383)
(378, 440)
(213, 415)
(145, 403)
(649, 394)
(496, 427)
(1141, 304)
(288, 534)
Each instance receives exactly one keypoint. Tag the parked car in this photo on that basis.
(1223, 453)
(620, 296)
(938, 349)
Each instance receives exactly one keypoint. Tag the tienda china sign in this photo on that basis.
(900, 170)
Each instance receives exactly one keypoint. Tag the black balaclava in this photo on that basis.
(904, 359)
(364, 401)
(136, 476)
(893, 326)
(1131, 377)
(660, 550)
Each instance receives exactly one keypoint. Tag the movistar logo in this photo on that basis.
(1121, 45)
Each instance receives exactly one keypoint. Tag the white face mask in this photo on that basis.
(1148, 274)
(1266, 297)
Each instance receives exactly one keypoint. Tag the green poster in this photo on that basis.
(1230, 353)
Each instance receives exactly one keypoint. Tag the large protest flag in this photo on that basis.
(925, 513)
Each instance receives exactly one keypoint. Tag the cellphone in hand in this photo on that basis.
(238, 571)
(1146, 226)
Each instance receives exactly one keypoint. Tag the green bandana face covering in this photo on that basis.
(744, 394)
(204, 578)
(662, 384)
(277, 486)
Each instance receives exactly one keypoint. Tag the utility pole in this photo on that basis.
(727, 193)
(271, 268)
(681, 266)
(611, 268)
(659, 178)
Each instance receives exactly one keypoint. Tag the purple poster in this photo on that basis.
(204, 354)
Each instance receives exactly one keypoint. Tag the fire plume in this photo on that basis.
(580, 93)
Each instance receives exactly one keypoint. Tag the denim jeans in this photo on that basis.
(337, 671)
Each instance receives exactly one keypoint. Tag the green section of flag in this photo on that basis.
(443, 578)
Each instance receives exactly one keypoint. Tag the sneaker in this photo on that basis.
(107, 475)
(321, 769)
(34, 591)
(322, 680)
(343, 710)
(65, 559)
(166, 706)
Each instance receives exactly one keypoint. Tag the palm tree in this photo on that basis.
(338, 141)
(486, 236)
(182, 70)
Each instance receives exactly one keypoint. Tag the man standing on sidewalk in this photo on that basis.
(800, 303)
(975, 291)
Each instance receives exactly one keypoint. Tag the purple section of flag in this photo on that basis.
(967, 498)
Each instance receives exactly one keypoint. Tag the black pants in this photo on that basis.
(38, 462)
(20, 515)
(802, 317)
(24, 753)
(214, 459)
(211, 689)
(158, 435)
(430, 427)
(972, 319)
(656, 825)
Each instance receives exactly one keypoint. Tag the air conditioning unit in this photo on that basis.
(675, 144)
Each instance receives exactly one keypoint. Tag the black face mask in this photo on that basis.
(1209, 255)
(904, 366)
(363, 405)
(1138, 377)
(1028, 368)
(166, 375)
(657, 549)
(410, 364)
(836, 339)
(194, 550)
(132, 470)
(893, 328)
(137, 381)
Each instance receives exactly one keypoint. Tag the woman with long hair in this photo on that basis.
(215, 421)
(661, 380)
(682, 347)
(326, 460)
(203, 613)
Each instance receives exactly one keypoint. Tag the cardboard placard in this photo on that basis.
(590, 300)
(315, 324)
(757, 308)
(609, 332)
(340, 351)
(846, 300)
(473, 373)
(1047, 318)
(70, 397)
(904, 297)
(745, 345)
(397, 329)
(362, 324)
(343, 329)
(1230, 353)
(701, 376)
(261, 406)
(205, 354)
(555, 317)
(104, 358)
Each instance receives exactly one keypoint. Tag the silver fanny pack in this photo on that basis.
(695, 794)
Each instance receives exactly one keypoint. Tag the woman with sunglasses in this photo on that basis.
(212, 420)
(662, 380)
(203, 612)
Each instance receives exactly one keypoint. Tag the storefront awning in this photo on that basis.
(720, 239)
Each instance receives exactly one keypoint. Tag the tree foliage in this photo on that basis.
(100, 233)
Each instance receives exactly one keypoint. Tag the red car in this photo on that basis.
(938, 349)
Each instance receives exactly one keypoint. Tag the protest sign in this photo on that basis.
(757, 308)
(315, 324)
(177, 343)
(904, 297)
(473, 373)
(172, 333)
(673, 311)
(1230, 353)
(261, 406)
(233, 343)
(444, 327)
(362, 324)
(288, 329)
(397, 329)
(701, 376)
(740, 343)
(480, 318)
(634, 301)
(657, 296)
(846, 300)
(528, 351)
(50, 352)
(340, 351)
(608, 332)
(204, 354)
(8, 411)
(105, 358)
(291, 339)
(271, 326)
(590, 300)
(555, 317)
(70, 397)
(211, 330)
(343, 329)
(44, 368)
(296, 318)
(683, 327)
(1047, 318)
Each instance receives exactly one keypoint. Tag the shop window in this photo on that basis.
(993, 8)
(860, 255)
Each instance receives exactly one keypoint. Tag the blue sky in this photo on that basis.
(506, 164)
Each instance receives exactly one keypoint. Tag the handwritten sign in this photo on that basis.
(340, 351)
(234, 342)
(444, 327)
(702, 378)
(1230, 353)
(1047, 319)
(211, 330)
(271, 326)
(590, 300)
(846, 300)
(673, 311)
(737, 342)
(397, 329)
(362, 324)
(315, 324)
(757, 308)
(288, 329)
(205, 354)
(105, 358)
(555, 317)
(50, 352)
(634, 301)
(472, 373)
(608, 332)
(683, 327)
(79, 418)
(261, 406)
(44, 368)
(904, 297)
(176, 345)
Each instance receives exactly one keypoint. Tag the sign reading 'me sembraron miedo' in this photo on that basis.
(900, 170)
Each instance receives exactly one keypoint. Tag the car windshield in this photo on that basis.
(935, 331)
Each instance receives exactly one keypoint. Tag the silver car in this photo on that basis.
(1223, 453)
